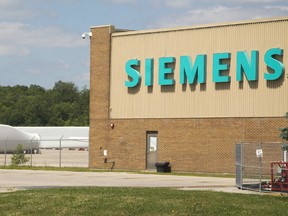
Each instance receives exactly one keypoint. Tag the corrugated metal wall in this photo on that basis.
(233, 99)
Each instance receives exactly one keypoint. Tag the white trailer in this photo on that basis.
(11, 137)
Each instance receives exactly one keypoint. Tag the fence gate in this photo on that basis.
(253, 164)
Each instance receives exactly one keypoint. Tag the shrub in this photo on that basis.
(284, 131)
(19, 156)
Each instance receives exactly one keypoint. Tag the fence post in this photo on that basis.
(239, 168)
(5, 151)
(60, 149)
(31, 151)
(260, 171)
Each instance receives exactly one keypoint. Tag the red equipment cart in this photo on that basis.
(281, 183)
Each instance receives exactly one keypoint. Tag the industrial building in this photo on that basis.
(186, 95)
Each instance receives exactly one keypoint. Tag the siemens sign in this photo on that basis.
(189, 71)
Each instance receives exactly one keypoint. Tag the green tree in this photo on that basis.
(284, 131)
(63, 105)
(19, 157)
(69, 106)
(82, 118)
(65, 92)
(37, 106)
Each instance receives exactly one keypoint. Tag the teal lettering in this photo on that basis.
(164, 71)
(250, 68)
(149, 72)
(190, 72)
(274, 64)
(132, 73)
(218, 67)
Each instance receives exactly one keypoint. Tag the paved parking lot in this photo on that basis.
(12, 180)
(52, 157)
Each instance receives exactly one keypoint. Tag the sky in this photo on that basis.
(41, 43)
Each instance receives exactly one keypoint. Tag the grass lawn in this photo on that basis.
(137, 201)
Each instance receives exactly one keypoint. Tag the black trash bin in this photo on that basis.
(163, 167)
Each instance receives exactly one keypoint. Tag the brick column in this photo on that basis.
(100, 49)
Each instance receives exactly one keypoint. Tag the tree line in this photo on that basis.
(284, 131)
(63, 105)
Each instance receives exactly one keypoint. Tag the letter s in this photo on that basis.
(133, 74)
(274, 64)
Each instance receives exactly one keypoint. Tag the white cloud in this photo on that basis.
(15, 10)
(209, 3)
(20, 10)
(19, 39)
(259, 1)
(199, 16)
(218, 14)
(122, 1)
(8, 4)
(33, 71)
(277, 7)
(52, 36)
(82, 77)
(177, 3)
(63, 64)
(238, 2)
(8, 50)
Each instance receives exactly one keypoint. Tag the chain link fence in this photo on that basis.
(258, 164)
(53, 152)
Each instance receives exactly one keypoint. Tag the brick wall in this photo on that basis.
(195, 145)
(99, 90)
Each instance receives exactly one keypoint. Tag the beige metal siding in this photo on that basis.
(234, 99)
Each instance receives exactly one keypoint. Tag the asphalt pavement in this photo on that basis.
(11, 180)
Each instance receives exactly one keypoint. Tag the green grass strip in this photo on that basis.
(137, 201)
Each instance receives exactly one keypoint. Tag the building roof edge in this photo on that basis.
(202, 26)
